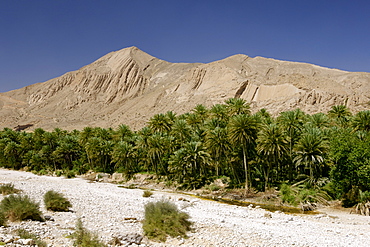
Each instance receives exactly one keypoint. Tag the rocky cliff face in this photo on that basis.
(129, 86)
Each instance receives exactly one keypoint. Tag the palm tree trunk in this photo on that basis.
(246, 170)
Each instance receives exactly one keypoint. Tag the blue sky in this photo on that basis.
(43, 39)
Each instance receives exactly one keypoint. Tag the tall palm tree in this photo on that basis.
(220, 112)
(243, 133)
(237, 106)
(123, 155)
(160, 123)
(340, 114)
(292, 122)
(361, 121)
(159, 147)
(181, 131)
(201, 112)
(310, 151)
(190, 163)
(123, 133)
(272, 147)
(217, 143)
(319, 120)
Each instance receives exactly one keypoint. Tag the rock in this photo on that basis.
(27, 241)
(127, 239)
(8, 240)
(49, 218)
(267, 215)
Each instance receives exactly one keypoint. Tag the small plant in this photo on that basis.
(288, 195)
(162, 218)
(23, 233)
(212, 187)
(363, 207)
(69, 173)
(7, 189)
(20, 207)
(55, 201)
(84, 238)
(2, 219)
(147, 193)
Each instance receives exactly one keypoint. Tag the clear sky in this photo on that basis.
(43, 39)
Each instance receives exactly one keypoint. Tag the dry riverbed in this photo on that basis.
(112, 211)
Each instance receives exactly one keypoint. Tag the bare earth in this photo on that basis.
(110, 211)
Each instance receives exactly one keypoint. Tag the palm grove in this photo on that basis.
(328, 152)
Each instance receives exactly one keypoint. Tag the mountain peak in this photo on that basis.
(129, 86)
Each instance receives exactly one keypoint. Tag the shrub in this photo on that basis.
(55, 201)
(18, 207)
(162, 218)
(287, 194)
(2, 219)
(7, 189)
(22, 233)
(147, 193)
(84, 238)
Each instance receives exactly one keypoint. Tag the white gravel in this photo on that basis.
(110, 211)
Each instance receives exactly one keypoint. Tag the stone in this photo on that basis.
(267, 215)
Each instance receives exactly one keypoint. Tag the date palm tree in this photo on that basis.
(361, 121)
(123, 157)
(292, 122)
(272, 147)
(236, 106)
(160, 123)
(217, 142)
(310, 151)
(243, 133)
(340, 114)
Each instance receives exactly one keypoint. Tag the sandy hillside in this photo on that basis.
(129, 86)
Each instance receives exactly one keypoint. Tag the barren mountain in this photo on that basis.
(129, 86)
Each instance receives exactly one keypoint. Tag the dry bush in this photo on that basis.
(20, 207)
(55, 201)
(162, 218)
(7, 189)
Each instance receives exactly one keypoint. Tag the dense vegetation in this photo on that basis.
(329, 152)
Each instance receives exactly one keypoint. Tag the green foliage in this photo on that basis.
(84, 238)
(2, 218)
(257, 150)
(303, 192)
(288, 195)
(147, 193)
(20, 207)
(23, 233)
(162, 218)
(55, 201)
(7, 189)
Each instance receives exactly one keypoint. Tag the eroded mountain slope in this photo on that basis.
(129, 86)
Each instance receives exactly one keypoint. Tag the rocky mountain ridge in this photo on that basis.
(129, 86)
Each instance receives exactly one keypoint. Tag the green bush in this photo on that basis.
(2, 219)
(23, 233)
(7, 189)
(55, 201)
(20, 207)
(162, 218)
(288, 195)
(84, 238)
(147, 193)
